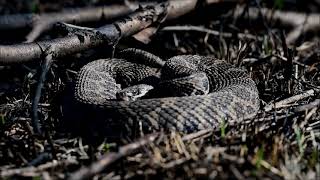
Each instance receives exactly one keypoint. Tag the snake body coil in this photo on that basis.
(216, 92)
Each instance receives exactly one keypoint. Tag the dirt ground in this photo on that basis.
(281, 142)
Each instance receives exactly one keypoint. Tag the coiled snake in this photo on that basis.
(185, 93)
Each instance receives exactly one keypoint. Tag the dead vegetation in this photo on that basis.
(282, 142)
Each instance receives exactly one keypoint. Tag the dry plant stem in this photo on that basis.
(33, 171)
(291, 99)
(105, 161)
(45, 68)
(209, 31)
(108, 34)
(129, 149)
(288, 55)
(126, 150)
(299, 21)
(313, 104)
(34, 116)
(197, 135)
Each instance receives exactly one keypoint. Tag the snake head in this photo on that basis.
(133, 93)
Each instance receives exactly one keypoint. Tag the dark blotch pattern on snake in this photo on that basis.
(222, 91)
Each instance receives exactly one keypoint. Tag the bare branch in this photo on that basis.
(43, 22)
(76, 15)
(83, 39)
(108, 34)
(44, 70)
(209, 31)
(33, 171)
(291, 99)
(300, 22)
(313, 104)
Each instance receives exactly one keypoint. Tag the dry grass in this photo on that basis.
(281, 143)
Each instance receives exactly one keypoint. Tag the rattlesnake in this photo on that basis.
(191, 92)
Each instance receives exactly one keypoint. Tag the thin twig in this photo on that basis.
(129, 149)
(197, 135)
(300, 22)
(44, 70)
(313, 104)
(32, 171)
(209, 31)
(108, 159)
(43, 22)
(291, 99)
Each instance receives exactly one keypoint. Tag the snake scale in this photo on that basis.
(188, 92)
